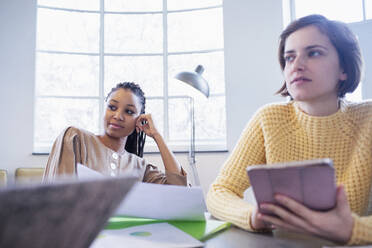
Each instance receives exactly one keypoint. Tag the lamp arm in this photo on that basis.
(192, 145)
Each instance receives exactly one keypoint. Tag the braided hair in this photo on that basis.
(135, 141)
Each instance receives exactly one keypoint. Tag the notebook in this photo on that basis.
(310, 182)
(200, 230)
(63, 214)
(155, 235)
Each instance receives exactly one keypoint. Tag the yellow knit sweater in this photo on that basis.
(282, 132)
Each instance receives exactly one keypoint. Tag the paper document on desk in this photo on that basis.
(84, 172)
(157, 201)
(160, 235)
(165, 202)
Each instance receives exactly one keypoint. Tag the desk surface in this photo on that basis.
(236, 238)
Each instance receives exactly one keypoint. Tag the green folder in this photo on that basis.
(201, 230)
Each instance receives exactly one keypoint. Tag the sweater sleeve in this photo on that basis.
(63, 156)
(154, 175)
(362, 230)
(225, 196)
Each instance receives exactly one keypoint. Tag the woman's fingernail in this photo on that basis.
(278, 197)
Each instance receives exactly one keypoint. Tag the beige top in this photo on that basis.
(75, 145)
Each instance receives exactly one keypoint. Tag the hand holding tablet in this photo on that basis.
(310, 182)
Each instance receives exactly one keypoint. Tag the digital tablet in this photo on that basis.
(310, 182)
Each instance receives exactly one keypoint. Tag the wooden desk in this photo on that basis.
(237, 238)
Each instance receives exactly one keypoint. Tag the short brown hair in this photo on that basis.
(341, 37)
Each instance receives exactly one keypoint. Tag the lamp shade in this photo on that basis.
(195, 79)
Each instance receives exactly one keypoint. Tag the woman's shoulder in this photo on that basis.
(71, 131)
(358, 113)
(362, 108)
(365, 105)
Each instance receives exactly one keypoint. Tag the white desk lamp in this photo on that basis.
(195, 80)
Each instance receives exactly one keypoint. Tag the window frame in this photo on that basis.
(222, 146)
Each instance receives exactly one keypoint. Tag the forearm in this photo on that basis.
(225, 196)
(169, 160)
(226, 205)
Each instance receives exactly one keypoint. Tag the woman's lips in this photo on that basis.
(115, 126)
(300, 80)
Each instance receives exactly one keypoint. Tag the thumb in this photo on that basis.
(342, 203)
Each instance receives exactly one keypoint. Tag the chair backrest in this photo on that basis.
(28, 175)
(3, 177)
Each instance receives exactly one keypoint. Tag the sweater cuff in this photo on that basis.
(252, 229)
(358, 235)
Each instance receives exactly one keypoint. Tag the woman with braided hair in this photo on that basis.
(119, 149)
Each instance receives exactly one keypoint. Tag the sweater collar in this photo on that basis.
(335, 117)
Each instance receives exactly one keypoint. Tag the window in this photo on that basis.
(85, 47)
(348, 11)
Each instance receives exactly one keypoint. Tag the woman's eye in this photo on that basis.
(289, 58)
(314, 53)
(112, 107)
(130, 112)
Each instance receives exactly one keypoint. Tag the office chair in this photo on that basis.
(28, 175)
(3, 177)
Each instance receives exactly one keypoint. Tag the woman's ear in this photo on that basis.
(343, 76)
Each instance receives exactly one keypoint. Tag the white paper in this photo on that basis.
(165, 202)
(84, 172)
(157, 201)
(160, 235)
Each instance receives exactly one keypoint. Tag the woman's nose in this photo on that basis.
(118, 116)
(299, 63)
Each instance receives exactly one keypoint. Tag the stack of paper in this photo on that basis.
(165, 202)
(157, 201)
(151, 212)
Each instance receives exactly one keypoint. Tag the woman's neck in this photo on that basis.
(116, 144)
(319, 108)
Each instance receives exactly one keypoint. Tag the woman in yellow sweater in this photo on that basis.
(321, 62)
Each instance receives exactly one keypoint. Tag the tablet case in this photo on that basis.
(310, 182)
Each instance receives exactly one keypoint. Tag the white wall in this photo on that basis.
(251, 30)
(17, 64)
(252, 73)
(363, 30)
